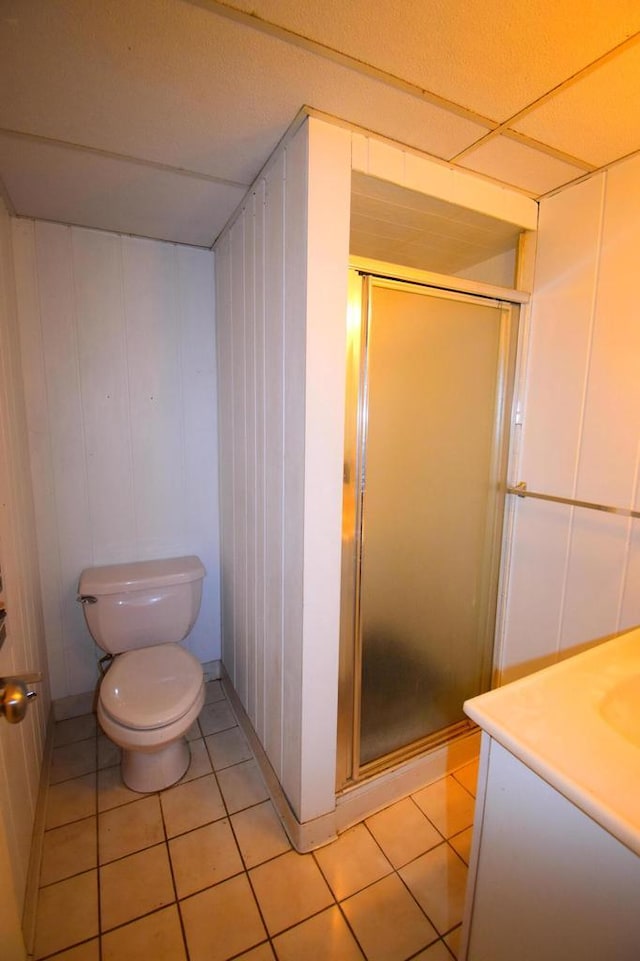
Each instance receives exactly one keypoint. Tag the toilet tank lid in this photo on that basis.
(140, 575)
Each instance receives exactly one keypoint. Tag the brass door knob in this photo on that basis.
(15, 696)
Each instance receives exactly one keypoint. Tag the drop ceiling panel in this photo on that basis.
(596, 118)
(491, 57)
(520, 165)
(175, 83)
(56, 183)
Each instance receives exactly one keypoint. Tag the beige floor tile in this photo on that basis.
(264, 952)
(453, 940)
(447, 804)
(403, 832)
(325, 937)
(437, 880)
(462, 844)
(204, 857)
(387, 921)
(69, 850)
(75, 729)
(468, 776)
(242, 786)
(200, 763)
(222, 921)
(213, 692)
(71, 800)
(260, 834)
(124, 830)
(73, 760)
(135, 886)
(437, 952)
(352, 862)
(157, 937)
(227, 748)
(188, 806)
(112, 791)
(108, 753)
(89, 951)
(216, 716)
(289, 889)
(67, 913)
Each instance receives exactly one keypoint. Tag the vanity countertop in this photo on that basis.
(577, 725)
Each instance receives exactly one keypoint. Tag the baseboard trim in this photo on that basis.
(362, 800)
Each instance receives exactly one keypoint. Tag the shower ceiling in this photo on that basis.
(392, 223)
(153, 117)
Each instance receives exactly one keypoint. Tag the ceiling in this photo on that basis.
(152, 117)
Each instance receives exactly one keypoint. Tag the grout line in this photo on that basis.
(245, 870)
(98, 870)
(176, 900)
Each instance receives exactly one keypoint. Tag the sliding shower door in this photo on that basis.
(424, 486)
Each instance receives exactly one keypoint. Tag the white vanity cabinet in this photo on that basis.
(546, 882)
(555, 864)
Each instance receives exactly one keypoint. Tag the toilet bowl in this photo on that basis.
(148, 700)
(152, 692)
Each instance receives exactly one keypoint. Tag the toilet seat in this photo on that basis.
(151, 687)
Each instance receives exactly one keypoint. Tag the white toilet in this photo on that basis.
(154, 689)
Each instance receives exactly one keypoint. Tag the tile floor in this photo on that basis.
(204, 872)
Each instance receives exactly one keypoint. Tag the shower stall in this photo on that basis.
(429, 387)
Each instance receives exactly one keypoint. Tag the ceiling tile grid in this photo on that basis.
(532, 95)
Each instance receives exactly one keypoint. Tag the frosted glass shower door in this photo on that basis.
(432, 407)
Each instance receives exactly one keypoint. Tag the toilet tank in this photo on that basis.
(127, 606)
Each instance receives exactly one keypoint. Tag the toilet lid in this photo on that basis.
(151, 686)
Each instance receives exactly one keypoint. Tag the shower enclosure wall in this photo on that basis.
(281, 300)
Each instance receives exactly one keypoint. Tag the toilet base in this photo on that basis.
(149, 771)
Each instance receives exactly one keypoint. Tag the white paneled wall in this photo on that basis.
(118, 351)
(21, 745)
(281, 303)
(575, 574)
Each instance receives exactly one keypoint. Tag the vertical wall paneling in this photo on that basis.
(35, 388)
(327, 254)
(104, 388)
(594, 573)
(294, 345)
(155, 392)
(287, 418)
(250, 449)
(274, 456)
(239, 453)
(561, 316)
(68, 467)
(225, 474)
(118, 353)
(259, 719)
(20, 745)
(609, 442)
(578, 580)
(200, 436)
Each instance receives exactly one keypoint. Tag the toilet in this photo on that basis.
(154, 689)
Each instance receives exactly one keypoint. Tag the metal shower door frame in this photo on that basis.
(349, 770)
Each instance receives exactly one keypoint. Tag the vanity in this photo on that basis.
(555, 863)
